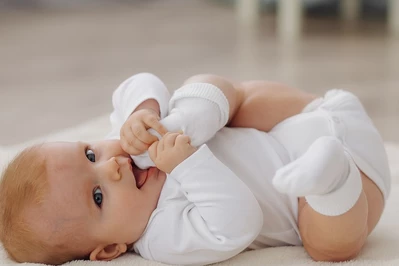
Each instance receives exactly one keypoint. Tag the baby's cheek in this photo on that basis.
(123, 213)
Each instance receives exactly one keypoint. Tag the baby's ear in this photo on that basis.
(109, 252)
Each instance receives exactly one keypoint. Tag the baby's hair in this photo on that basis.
(24, 185)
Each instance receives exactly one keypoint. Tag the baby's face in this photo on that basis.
(97, 185)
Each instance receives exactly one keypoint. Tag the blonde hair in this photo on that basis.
(24, 184)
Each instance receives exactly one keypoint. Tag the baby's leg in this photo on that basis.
(339, 238)
(264, 104)
(206, 103)
(340, 207)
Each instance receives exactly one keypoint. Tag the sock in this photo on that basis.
(325, 175)
(317, 171)
(197, 109)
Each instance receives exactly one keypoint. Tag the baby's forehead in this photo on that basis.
(67, 178)
(64, 159)
(61, 151)
(61, 202)
(60, 146)
(55, 220)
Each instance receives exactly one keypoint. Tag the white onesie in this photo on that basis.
(221, 200)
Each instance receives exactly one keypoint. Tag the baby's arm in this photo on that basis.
(140, 91)
(209, 214)
(139, 102)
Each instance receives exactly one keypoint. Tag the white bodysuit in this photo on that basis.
(221, 200)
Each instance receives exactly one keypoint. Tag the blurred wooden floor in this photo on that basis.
(59, 68)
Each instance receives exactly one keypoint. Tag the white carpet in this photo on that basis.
(382, 247)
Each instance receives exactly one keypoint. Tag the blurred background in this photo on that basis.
(61, 60)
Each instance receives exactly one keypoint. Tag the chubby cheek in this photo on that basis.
(124, 204)
(118, 220)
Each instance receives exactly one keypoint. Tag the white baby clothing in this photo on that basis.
(215, 204)
(340, 114)
(221, 200)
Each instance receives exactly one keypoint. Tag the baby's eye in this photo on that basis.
(90, 155)
(98, 197)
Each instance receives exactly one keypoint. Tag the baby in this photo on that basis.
(290, 169)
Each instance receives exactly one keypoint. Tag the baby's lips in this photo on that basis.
(140, 176)
(152, 171)
(156, 173)
(140, 181)
(143, 177)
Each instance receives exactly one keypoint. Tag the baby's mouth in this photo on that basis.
(140, 180)
(140, 175)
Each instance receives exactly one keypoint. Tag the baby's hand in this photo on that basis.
(135, 139)
(170, 151)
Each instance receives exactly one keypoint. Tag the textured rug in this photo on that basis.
(382, 247)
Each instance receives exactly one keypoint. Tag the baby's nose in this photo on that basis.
(123, 161)
(112, 169)
(124, 165)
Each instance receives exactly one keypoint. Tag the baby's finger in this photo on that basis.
(182, 140)
(170, 139)
(153, 150)
(141, 133)
(133, 141)
(128, 148)
(153, 122)
(160, 146)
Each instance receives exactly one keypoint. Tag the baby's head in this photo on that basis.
(64, 201)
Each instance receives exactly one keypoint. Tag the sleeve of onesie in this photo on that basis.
(131, 93)
(217, 218)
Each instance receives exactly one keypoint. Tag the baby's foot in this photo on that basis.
(318, 171)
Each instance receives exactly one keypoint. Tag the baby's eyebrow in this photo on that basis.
(81, 149)
(81, 146)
